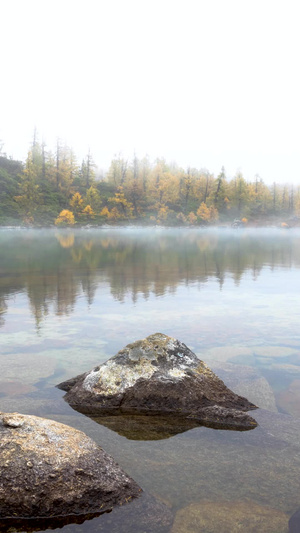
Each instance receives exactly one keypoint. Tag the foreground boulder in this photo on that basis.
(49, 469)
(158, 375)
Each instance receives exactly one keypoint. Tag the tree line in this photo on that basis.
(51, 187)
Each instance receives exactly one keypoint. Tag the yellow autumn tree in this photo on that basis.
(110, 215)
(123, 206)
(203, 212)
(207, 214)
(191, 218)
(162, 213)
(76, 203)
(105, 212)
(181, 218)
(88, 213)
(163, 187)
(213, 214)
(93, 199)
(65, 218)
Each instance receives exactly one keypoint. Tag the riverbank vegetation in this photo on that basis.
(51, 187)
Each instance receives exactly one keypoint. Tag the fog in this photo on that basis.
(205, 84)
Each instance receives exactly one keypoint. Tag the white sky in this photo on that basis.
(203, 82)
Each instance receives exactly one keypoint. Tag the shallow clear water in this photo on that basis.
(69, 300)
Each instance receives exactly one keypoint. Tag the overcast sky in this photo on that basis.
(203, 82)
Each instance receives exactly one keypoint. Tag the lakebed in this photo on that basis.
(71, 299)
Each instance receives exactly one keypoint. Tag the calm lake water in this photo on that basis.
(69, 300)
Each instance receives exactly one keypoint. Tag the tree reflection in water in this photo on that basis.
(53, 267)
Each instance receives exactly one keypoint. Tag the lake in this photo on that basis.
(70, 299)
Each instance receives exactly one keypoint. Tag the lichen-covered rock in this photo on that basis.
(49, 469)
(154, 376)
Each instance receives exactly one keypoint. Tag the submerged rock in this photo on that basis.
(49, 469)
(229, 517)
(248, 382)
(158, 375)
(288, 399)
(294, 522)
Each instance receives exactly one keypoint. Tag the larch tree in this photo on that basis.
(133, 186)
(117, 171)
(29, 198)
(76, 203)
(122, 205)
(87, 172)
(186, 190)
(93, 199)
(65, 218)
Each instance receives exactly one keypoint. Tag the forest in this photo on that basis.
(51, 188)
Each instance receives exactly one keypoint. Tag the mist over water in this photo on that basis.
(77, 297)
(70, 299)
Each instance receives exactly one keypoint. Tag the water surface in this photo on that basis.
(69, 300)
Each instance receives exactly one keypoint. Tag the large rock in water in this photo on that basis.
(49, 469)
(154, 376)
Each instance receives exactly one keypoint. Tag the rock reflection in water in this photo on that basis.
(139, 427)
(143, 427)
(144, 515)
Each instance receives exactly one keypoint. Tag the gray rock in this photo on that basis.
(158, 375)
(49, 469)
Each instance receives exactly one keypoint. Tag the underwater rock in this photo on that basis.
(248, 382)
(31, 369)
(294, 522)
(158, 375)
(288, 399)
(49, 469)
(229, 517)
